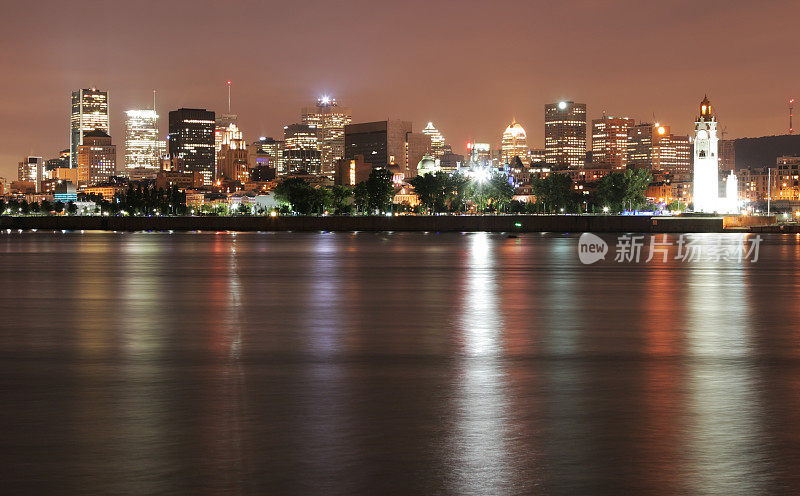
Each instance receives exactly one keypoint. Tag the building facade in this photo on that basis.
(329, 119)
(565, 134)
(31, 169)
(90, 111)
(610, 141)
(232, 161)
(514, 143)
(301, 151)
(390, 143)
(438, 145)
(143, 148)
(97, 159)
(191, 141)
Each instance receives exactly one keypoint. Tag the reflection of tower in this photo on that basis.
(706, 172)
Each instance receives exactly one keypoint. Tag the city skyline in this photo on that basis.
(665, 90)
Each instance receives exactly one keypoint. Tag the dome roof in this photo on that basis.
(426, 165)
(515, 130)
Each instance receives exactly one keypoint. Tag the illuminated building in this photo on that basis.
(654, 147)
(610, 141)
(329, 119)
(514, 144)
(352, 172)
(191, 141)
(31, 169)
(480, 154)
(786, 179)
(267, 152)
(89, 112)
(390, 143)
(538, 155)
(301, 154)
(565, 133)
(706, 167)
(97, 159)
(232, 163)
(221, 123)
(438, 146)
(143, 148)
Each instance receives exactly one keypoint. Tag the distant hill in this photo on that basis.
(763, 151)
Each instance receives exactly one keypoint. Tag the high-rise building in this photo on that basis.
(390, 143)
(301, 154)
(654, 147)
(89, 112)
(514, 144)
(191, 141)
(31, 169)
(97, 159)
(221, 124)
(538, 155)
(479, 154)
(438, 146)
(232, 163)
(565, 133)
(610, 141)
(267, 152)
(143, 148)
(329, 120)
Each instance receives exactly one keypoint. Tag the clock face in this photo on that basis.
(702, 134)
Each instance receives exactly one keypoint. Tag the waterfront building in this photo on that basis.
(329, 119)
(191, 141)
(389, 143)
(90, 111)
(565, 134)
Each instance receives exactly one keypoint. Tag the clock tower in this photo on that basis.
(706, 160)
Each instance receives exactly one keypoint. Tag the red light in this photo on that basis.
(229, 82)
(469, 146)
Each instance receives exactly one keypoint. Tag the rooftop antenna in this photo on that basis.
(154, 100)
(791, 114)
(229, 96)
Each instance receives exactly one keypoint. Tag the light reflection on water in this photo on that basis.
(393, 363)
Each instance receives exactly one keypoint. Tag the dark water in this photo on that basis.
(393, 364)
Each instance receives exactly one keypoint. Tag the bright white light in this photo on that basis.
(562, 105)
(605, 209)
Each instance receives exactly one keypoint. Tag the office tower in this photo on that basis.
(97, 158)
(267, 152)
(191, 141)
(329, 119)
(514, 143)
(438, 146)
(221, 124)
(538, 155)
(654, 147)
(610, 141)
(390, 143)
(705, 189)
(232, 163)
(89, 112)
(565, 133)
(143, 148)
(301, 154)
(31, 169)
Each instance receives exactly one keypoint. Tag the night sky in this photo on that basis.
(467, 66)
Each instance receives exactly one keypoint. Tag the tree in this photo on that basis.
(72, 209)
(493, 193)
(340, 199)
(379, 190)
(553, 192)
(621, 190)
(361, 197)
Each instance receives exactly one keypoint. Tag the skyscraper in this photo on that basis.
(390, 143)
(89, 112)
(438, 147)
(97, 158)
(514, 143)
(610, 141)
(329, 120)
(232, 163)
(191, 141)
(301, 152)
(654, 147)
(143, 148)
(565, 133)
(31, 169)
(267, 151)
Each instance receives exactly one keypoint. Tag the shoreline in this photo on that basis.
(419, 223)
